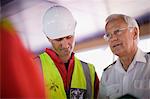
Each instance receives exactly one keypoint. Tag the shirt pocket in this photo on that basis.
(142, 88)
(113, 90)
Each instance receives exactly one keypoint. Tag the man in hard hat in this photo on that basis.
(65, 75)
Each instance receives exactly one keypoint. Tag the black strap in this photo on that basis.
(88, 79)
(147, 56)
(109, 66)
(127, 96)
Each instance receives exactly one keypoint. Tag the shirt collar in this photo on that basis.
(139, 57)
(118, 66)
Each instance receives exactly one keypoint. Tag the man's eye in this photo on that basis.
(68, 37)
(59, 39)
(107, 35)
(117, 31)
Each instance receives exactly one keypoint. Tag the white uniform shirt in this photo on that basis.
(116, 82)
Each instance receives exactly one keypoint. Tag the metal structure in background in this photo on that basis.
(90, 15)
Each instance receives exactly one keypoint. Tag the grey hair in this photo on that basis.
(129, 20)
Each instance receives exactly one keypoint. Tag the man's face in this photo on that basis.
(63, 46)
(122, 39)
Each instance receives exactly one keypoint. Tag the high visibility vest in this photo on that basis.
(82, 79)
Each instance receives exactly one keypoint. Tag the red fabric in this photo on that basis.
(20, 76)
(66, 75)
(96, 86)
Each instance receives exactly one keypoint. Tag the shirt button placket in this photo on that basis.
(125, 83)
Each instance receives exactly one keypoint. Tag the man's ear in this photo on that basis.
(135, 33)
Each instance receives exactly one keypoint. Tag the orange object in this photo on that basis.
(20, 76)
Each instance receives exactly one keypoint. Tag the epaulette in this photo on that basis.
(109, 66)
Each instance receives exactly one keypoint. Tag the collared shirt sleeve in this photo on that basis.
(102, 88)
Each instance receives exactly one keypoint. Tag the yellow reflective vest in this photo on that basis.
(82, 83)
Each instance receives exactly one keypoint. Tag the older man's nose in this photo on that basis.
(113, 37)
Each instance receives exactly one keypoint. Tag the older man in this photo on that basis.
(129, 75)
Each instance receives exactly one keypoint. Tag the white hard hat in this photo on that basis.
(58, 22)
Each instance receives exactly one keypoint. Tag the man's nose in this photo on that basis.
(64, 43)
(113, 37)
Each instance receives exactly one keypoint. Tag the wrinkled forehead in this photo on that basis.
(115, 23)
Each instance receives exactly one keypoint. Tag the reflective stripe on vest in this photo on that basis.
(89, 79)
(54, 83)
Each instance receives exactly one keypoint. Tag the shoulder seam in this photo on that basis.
(109, 66)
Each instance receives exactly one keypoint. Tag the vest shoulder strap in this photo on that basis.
(52, 78)
(88, 78)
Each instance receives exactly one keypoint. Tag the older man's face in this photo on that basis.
(63, 46)
(122, 38)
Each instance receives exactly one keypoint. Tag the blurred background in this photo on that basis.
(26, 16)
